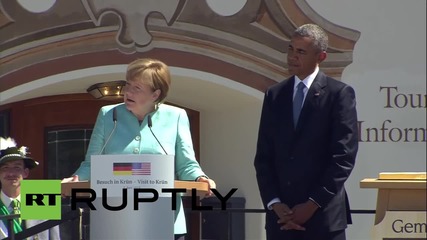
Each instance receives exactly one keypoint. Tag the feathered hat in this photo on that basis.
(9, 152)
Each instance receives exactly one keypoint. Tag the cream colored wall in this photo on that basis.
(228, 149)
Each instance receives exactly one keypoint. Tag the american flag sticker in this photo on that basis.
(139, 168)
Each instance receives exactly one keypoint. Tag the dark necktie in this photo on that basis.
(298, 99)
(16, 209)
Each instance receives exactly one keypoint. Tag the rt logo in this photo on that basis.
(41, 199)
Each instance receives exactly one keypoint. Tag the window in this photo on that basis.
(66, 149)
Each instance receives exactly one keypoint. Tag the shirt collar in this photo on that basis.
(308, 80)
(7, 200)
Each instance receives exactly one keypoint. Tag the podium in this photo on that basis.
(201, 188)
(400, 196)
(130, 197)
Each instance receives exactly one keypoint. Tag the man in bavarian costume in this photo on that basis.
(15, 165)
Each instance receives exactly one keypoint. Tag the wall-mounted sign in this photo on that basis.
(399, 225)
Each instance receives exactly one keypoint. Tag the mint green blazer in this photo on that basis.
(172, 128)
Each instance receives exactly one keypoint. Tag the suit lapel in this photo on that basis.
(312, 100)
(285, 104)
(288, 99)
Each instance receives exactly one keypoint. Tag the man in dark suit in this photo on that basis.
(15, 165)
(307, 145)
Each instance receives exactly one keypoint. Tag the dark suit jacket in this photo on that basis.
(315, 158)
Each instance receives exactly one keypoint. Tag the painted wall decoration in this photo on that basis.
(254, 39)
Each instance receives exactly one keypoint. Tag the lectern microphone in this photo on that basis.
(150, 124)
(112, 131)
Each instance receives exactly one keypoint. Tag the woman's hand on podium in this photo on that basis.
(211, 184)
(74, 178)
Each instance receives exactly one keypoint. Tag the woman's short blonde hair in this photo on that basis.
(157, 72)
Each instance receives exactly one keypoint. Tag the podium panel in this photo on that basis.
(67, 187)
(124, 214)
(400, 195)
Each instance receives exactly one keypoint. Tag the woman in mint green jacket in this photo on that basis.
(147, 85)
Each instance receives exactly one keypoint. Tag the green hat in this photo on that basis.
(9, 152)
